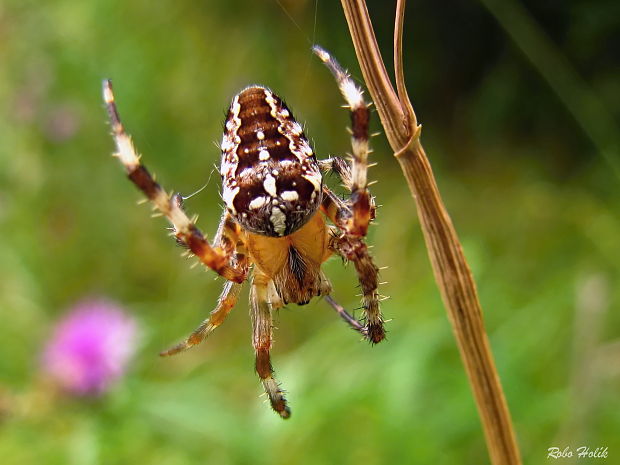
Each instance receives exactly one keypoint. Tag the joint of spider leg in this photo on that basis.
(180, 243)
(360, 148)
(177, 200)
(361, 331)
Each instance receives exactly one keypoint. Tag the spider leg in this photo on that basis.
(262, 338)
(225, 304)
(336, 209)
(342, 169)
(353, 216)
(354, 249)
(184, 229)
(339, 166)
(347, 317)
(356, 181)
(326, 289)
(227, 238)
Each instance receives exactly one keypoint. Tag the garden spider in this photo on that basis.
(273, 192)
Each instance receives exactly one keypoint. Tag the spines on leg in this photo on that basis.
(184, 229)
(360, 117)
(225, 304)
(355, 250)
(262, 329)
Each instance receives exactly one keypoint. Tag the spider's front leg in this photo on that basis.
(352, 216)
(185, 230)
(354, 177)
(262, 329)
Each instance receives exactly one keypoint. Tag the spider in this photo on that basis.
(274, 224)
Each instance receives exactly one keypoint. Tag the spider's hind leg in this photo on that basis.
(341, 168)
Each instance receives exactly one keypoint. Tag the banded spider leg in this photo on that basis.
(226, 237)
(227, 258)
(262, 293)
(185, 230)
(352, 216)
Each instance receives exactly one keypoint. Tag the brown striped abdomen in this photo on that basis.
(271, 182)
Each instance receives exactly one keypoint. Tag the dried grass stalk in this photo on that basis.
(452, 273)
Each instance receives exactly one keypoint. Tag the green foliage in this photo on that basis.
(532, 199)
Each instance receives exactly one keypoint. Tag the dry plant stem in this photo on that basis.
(452, 273)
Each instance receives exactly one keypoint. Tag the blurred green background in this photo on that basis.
(520, 107)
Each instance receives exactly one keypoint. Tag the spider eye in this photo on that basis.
(271, 181)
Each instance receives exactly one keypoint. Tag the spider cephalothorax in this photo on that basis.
(276, 216)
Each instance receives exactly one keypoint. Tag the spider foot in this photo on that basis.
(276, 397)
(374, 332)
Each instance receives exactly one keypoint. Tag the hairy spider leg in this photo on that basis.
(184, 229)
(225, 304)
(227, 236)
(353, 216)
(354, 249)
(356, 182)
(342, 169)
(262, 329)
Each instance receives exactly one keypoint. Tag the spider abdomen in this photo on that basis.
(271, 181)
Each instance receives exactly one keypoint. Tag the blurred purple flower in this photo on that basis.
(90, 347)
